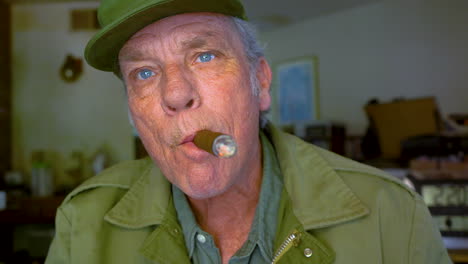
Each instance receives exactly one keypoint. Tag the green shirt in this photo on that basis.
(258, 248)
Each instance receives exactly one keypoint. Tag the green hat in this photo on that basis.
(120, 19)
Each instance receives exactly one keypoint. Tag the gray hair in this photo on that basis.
(253, 51)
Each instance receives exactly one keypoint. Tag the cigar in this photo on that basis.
(220, 145)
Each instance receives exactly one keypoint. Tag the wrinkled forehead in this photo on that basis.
(183, 29)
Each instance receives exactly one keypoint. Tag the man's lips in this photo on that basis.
(188, 139)
(192, 151)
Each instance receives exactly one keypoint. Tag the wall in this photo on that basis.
(50, 114)
(385, 50)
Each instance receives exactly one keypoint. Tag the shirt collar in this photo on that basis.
(264, 224)
(186, 219)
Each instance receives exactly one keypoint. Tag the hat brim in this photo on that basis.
(103, 49)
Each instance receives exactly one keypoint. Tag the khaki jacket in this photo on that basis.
(333, 210)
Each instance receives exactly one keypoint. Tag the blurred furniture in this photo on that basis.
(5, 89)
(448, 204)
(438, 146)
(459, 256)
(25, 211)
(449, 200)
(399, 120)
(326, 134)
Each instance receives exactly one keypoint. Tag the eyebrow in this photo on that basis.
(198, 41)
(132, 54)
(194, 43)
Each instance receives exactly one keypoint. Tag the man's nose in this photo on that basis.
(179, 92)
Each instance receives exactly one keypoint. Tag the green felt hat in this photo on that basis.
(120, 19)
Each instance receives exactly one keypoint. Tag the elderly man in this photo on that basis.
(190, 66)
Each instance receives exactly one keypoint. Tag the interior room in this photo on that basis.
(385, 83)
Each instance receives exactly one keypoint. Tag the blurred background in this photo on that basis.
(388, 83)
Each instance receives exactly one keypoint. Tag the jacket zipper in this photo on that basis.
(292, 240)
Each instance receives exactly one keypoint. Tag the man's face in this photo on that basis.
(186, 73)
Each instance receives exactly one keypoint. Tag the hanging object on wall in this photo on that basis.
(71, 69)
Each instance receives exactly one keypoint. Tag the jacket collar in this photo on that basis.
(145, 203)
(319, 196)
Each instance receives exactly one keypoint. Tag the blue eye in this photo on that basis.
(205, 57)
(145, 74)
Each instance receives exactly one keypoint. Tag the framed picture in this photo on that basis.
(297, 90)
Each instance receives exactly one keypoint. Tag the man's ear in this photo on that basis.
(264, 81)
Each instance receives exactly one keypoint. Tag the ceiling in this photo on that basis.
(268, 14)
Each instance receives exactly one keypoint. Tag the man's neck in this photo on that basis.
(228, 217)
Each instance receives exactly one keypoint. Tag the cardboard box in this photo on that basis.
(400, 120)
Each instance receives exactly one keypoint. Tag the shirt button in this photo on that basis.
(201, 238)
(308, 252)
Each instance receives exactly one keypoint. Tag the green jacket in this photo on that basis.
(333, 210)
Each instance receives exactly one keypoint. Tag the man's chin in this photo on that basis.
(203, 192)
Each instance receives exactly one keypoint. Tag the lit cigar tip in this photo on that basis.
(225, 147)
